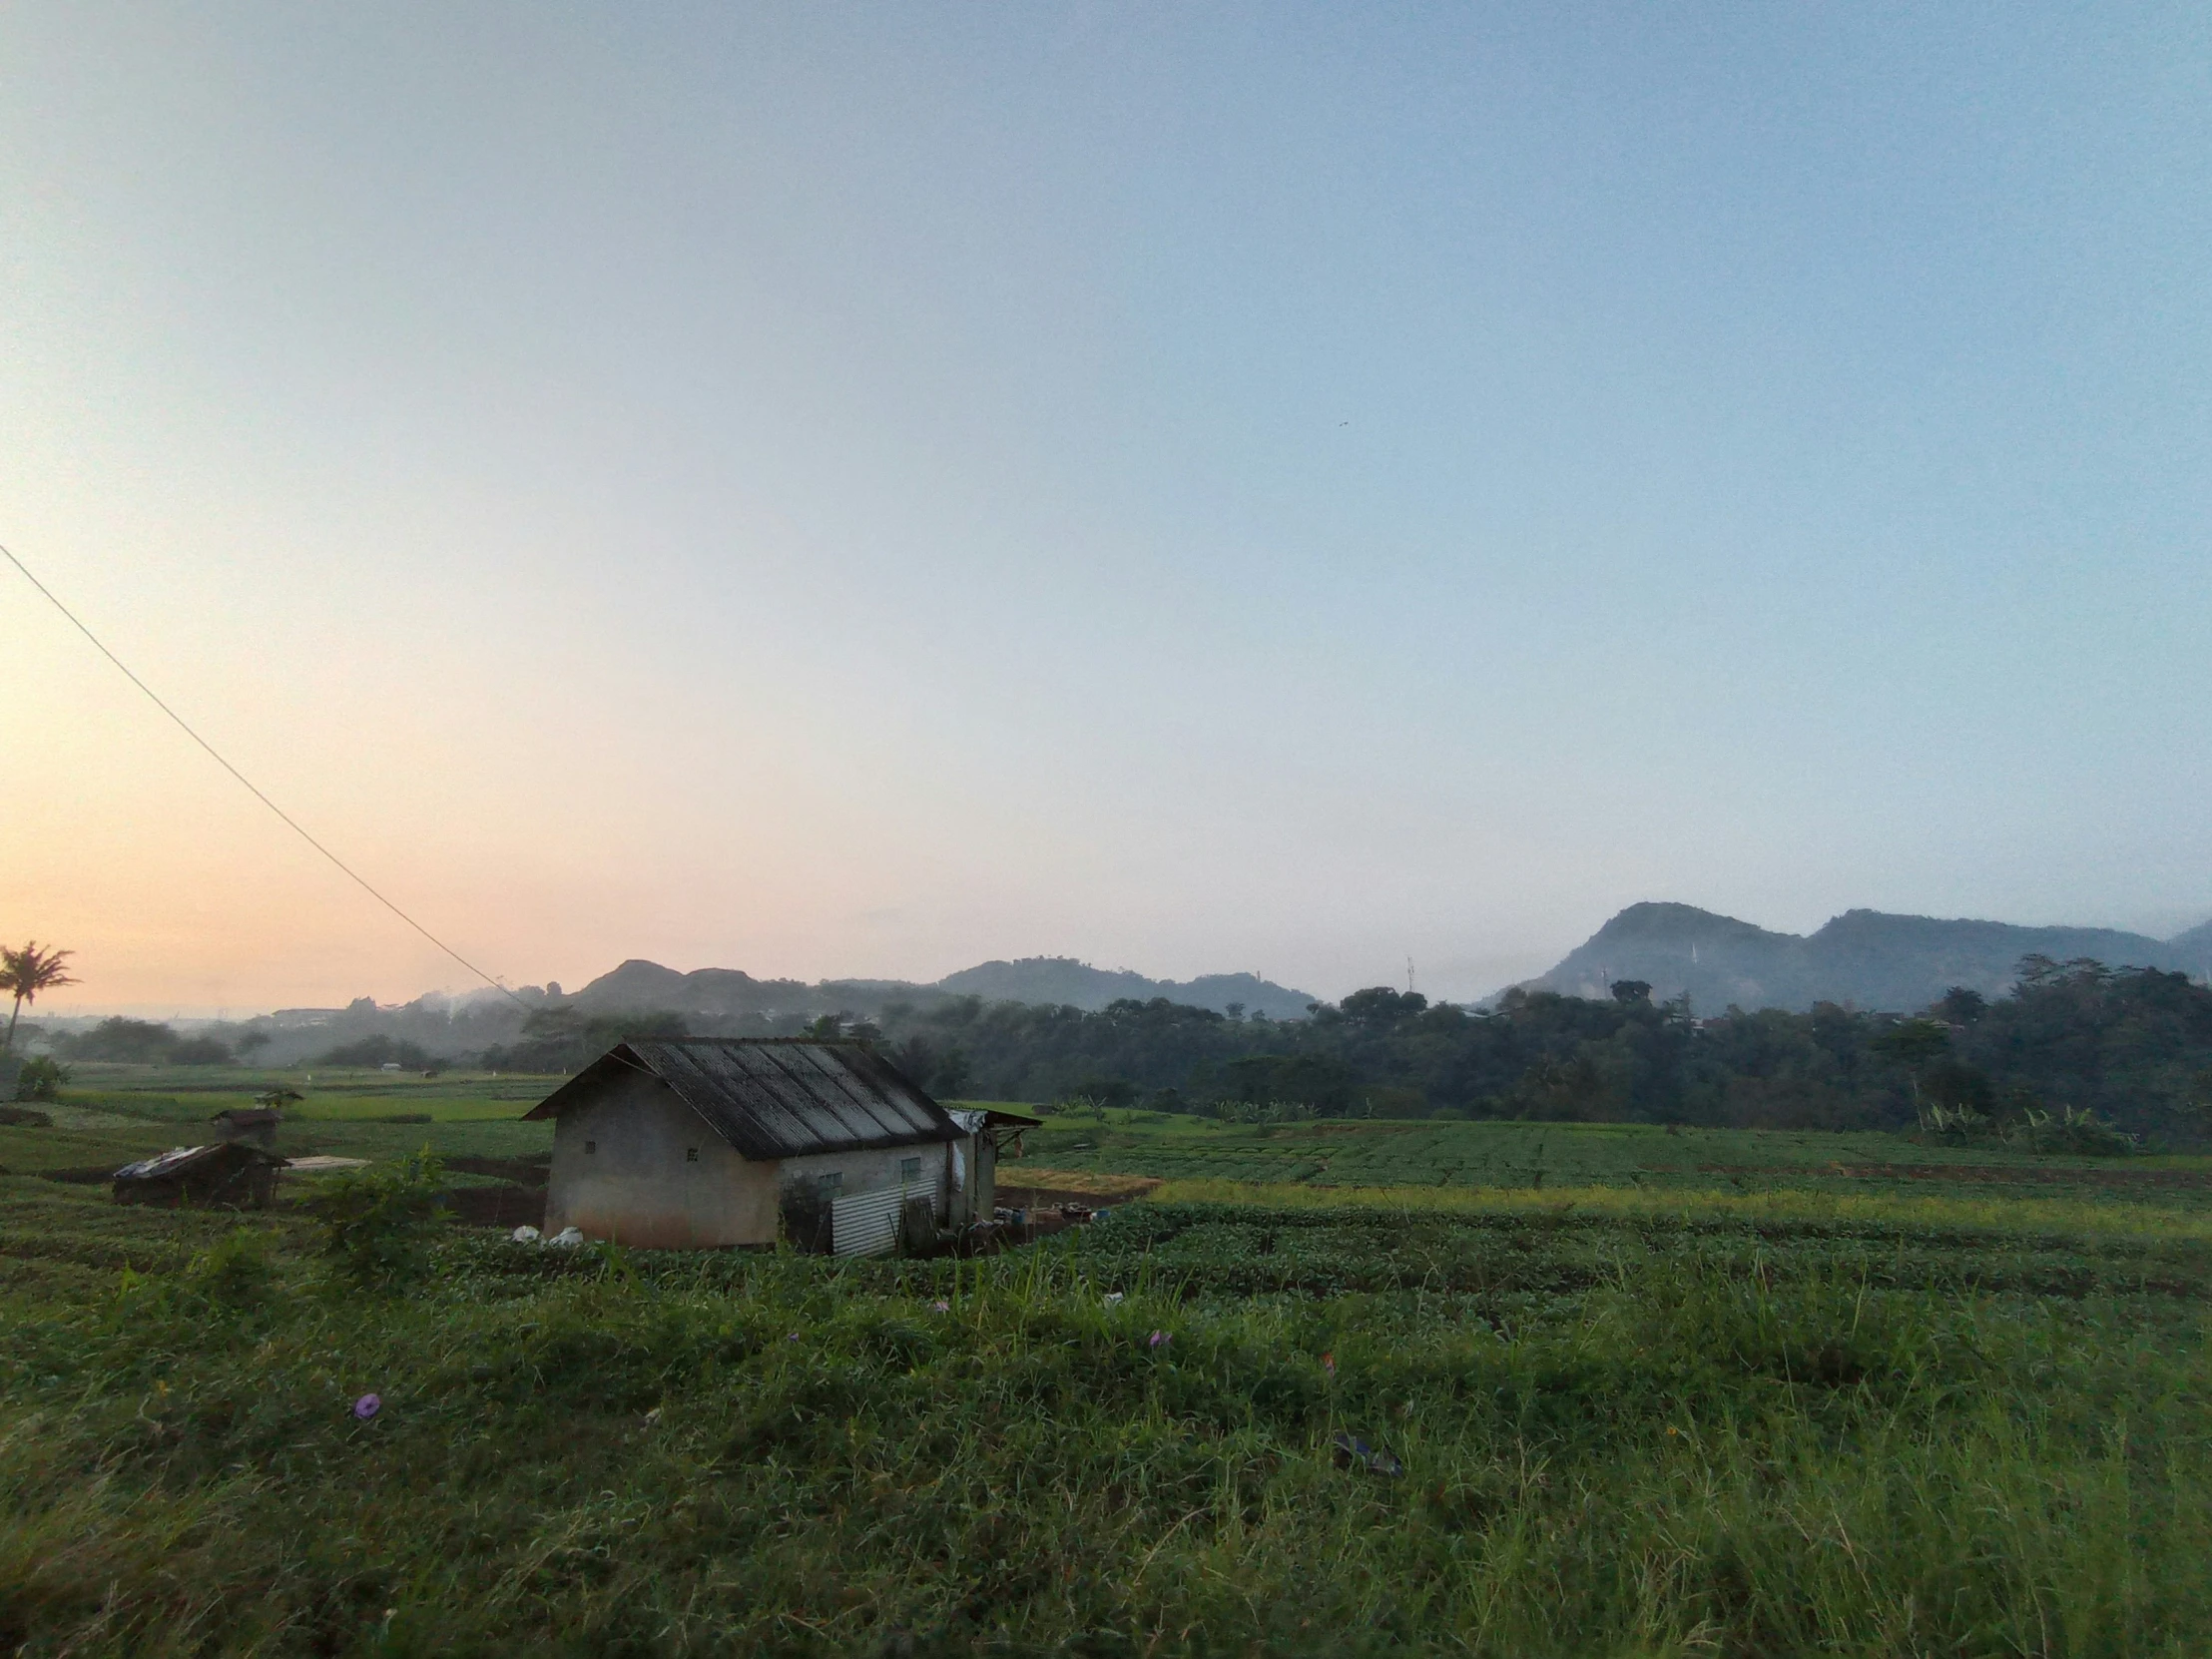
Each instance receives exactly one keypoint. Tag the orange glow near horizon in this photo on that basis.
(795, 491)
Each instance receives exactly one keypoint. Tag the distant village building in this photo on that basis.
(701, 1142)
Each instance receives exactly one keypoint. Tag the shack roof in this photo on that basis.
(773, 1097)
(180, 1160)
(976, 1119)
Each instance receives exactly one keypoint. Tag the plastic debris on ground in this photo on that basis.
(1349, 1449)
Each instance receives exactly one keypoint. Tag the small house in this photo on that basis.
(698, 1142)
(257, 1124)
(233, 1172)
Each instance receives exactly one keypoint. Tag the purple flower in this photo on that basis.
(941, 1306)
(367, 1407)
(1161, 1338)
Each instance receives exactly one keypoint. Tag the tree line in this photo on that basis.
(2133, 1046)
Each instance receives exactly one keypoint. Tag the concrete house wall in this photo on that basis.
(985, 1178)
(974, 1176)
(871, 1170)
(636, 1165)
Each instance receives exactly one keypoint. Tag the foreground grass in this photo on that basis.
(1623, 1430)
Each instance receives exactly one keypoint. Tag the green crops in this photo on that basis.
(1689, 1430)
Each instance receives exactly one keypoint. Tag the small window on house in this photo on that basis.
(591, 1146)
(909, 1169)
(832, 1182)
(691, 1155)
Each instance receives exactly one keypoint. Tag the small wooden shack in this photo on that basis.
(233, 1172)
(701, 1142)
(257, 1124)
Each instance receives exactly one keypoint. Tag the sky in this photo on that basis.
(863, 490)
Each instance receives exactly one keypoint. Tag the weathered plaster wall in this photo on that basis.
(986, 1177)
(638, 1184)
(865, 1172)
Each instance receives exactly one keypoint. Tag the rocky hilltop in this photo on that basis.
(1866, 957)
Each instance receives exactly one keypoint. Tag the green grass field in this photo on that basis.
(1703, 1411)
(1543, 1156)
(112, 1114)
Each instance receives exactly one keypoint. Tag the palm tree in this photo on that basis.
(26, 973)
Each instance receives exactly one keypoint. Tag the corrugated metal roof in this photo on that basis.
(181, 1158)
(775, 1097)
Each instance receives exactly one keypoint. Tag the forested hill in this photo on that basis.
(1047, 981)
(1063, 983)
(1862, 957)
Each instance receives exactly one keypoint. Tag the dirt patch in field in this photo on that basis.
(90, 1175)
(1121, 1188)
(1096, 1192)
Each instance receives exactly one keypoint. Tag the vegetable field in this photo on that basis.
(1653, 1405)
(1544, 1157)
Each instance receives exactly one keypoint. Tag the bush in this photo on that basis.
(236, 1272)
(375, 1223)
(1955, 1125)
(2080, 1132)
(40, 1079)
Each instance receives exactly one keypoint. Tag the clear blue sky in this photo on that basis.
(861, 489)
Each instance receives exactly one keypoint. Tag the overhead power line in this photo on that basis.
(290, 823)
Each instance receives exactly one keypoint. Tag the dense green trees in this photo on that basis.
(2133, 1046)
(564, 1039)
(143, 1042)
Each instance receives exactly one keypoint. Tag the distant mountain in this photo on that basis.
(1064, 981)
(2196, 944)
(1053, 980)
(640, 986)
(1865, 958)
(728, 993)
